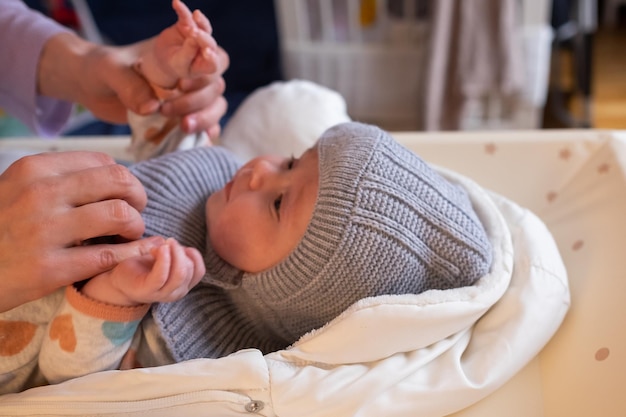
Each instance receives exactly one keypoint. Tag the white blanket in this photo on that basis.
(403, 355)
(429, 354)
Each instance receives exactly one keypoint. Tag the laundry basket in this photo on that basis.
(373, 52)
(367, 50)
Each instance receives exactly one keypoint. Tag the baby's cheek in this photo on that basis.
(225, 247)
(219, 232)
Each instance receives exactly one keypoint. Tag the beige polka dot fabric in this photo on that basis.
(575, 181)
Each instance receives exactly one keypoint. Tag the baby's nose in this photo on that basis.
(261, 172)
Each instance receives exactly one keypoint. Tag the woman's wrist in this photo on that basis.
(59, 68)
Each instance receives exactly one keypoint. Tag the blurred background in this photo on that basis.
(402, 64)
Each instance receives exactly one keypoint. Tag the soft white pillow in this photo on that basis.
(285, 118)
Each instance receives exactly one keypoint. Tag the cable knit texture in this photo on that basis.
(384, 223)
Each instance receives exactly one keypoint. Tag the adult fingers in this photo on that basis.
(200, 108)
(97, 184)
(211, 116)
(214, 131)
(198, 85)
(88, 261)
(135, 93)
(132, 89)
(63, 210)
(206, 119)
(104, 218)
(51, 163)
(112, 85)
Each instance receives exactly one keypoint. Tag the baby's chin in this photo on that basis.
(233, 257)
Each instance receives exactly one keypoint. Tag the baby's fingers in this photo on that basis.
(202, 21)
(186, 22)
(198, 266)
(161, 269)
(182, 273)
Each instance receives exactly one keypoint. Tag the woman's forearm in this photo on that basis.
(99, 77)
(59, 70)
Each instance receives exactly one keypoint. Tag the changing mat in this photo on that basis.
(429, 354)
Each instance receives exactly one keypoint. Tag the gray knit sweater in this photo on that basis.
(203, 323)
(384, 223)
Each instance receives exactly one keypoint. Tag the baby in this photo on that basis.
(356, 216)
(256, 256)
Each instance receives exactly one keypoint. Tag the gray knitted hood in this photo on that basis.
(384, 223)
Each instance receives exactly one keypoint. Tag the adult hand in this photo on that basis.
(51, 204)
(103, 79)
(202, 104)
(186, 51)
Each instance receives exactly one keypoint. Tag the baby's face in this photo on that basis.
(261, 215)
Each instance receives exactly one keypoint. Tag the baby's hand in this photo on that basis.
(184, 50)
(166, 275)
(198, 53)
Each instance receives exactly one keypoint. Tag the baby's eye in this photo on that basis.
(277, 203)
(291, 162)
